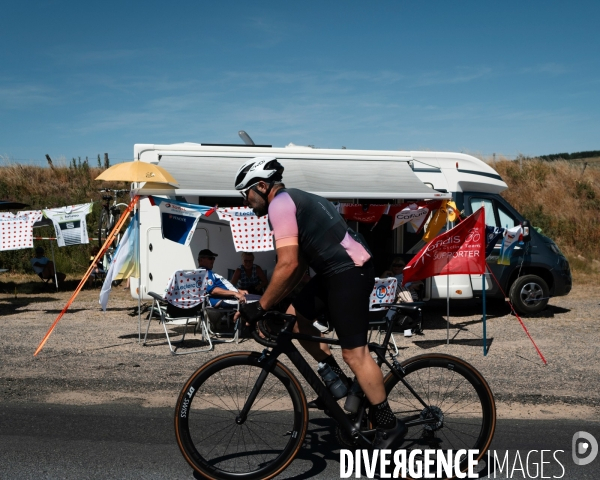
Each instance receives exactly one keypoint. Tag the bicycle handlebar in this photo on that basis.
(115, 191)
(270, 330)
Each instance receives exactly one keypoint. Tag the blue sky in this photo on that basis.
(82, 78)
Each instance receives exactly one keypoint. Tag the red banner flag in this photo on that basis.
(459, 250)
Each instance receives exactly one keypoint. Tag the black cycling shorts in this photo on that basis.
(345, 297)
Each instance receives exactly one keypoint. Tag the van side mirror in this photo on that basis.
(526, 225)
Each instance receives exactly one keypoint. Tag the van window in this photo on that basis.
(490, 218)
(495, 214)
(505, 218)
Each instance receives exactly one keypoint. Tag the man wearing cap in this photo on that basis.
(223, 293)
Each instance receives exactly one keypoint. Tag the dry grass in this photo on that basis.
(43, 187)
(563, 200)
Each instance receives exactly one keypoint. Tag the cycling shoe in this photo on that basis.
(385, 437)
(316, 403)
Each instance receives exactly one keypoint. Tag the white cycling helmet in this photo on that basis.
(257, 169)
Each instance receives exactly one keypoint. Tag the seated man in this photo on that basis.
(44, 267)
(223, 293)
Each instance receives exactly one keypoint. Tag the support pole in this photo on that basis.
(484, 315)
(447, 284)
(483, 295)
(139, 273)
(54, 263)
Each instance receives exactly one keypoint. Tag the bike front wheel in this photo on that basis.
(459, 411)
(212, 437)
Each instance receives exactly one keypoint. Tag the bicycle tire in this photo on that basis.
(454, 389)
(103, 227)
(208, 436)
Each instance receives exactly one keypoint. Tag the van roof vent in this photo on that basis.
(292, 145)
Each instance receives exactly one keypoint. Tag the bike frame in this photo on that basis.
(286, 347)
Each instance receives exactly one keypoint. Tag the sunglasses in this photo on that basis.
(244, 193)
(397, 266)
(210, 258)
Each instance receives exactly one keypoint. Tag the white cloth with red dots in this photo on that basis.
(250, 233)
(384, 291)
(16, 230)
(186, 288)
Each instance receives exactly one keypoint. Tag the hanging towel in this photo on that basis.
(124, 263)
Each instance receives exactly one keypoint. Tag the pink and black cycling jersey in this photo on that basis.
(324, 239)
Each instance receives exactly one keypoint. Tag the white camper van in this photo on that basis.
(205, 174)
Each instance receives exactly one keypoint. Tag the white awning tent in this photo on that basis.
(333, 178)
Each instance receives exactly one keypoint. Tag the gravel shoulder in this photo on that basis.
(94, 357)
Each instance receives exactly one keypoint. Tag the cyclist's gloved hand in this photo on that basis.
(252, 312)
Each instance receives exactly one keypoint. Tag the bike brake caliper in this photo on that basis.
(398, 367)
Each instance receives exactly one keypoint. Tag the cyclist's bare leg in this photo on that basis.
(368, 374)
(359, 359)
(319, 351)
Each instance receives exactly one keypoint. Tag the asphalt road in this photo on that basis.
(116, 441)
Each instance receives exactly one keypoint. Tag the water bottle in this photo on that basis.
(332, 380)
(355, 395)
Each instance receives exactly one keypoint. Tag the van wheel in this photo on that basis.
(529, 294)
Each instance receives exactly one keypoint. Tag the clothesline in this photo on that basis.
(54, 238)
(69, 222)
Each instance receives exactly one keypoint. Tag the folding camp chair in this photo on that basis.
(98, 275)
(220, 322)
(384, 292)
(182, 304)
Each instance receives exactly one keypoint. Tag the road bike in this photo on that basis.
(243, 415)
(109, 216)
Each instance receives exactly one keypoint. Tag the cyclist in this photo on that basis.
(309, 231)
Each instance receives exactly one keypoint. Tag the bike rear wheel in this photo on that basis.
(103, 227)
(218, 447)
(458, 398)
